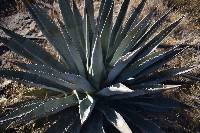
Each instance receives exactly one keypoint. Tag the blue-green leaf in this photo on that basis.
(11, 44)
(143, 123)
(105, 26)
(66, 84)
(86, 107)
(33, 79)
(48, 72)
(105, 11)
(79, 24)
(121, 64)
(97, 69)
(94, 124)
(152, 30)
(117, 89)
(154, 43)
(89, 10)
(129, 41)
(73, 26)
(149, 64)
(68, 122)
(163, 75)
(118, 24)
(159, 104)
(144, 90)
(133, 18)
(52, 33)
(116, 120)
(38, 110)
(31, 50)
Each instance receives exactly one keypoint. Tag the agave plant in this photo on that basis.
(108, 72)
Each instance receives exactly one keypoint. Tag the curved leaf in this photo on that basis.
(163, 75)
(85, 108)
(52, 33)
(105, 10)
(159, 104)
(120, 65)
(152, 30)
(43, 70)
(73, 27)
(45, 80)
(145, 90)
(97, 68)
(116, 120)
(79, 25)
(149, 64)
(106, 26)
(30, 50)
(69, 123)
(115, 90)
(33, 79)
(133, 18)
(155, 42)
(93, 124)
(39, 109)
(132, 37)
(120, 18)
(89, 10)
(143, 123)
(12, 45)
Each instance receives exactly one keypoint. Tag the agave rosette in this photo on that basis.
(107, 72)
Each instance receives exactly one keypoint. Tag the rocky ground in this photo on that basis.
(188, 32)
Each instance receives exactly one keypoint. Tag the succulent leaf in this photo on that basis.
(43, 70)
(144, 90)
(86, 107)
(69, 123)
(164, 75)
(117, 26)
(52, 33)
(133, 18)
(94, 124)
(47, 81)
(39, 109)
(31, 50)
(116, 120)
(140, 121)
(97, 68)
(75, 47)
(105, 25)
(79, 26)
(153, 44)
(132, 37)
(159, 104)
(149, 63)
(120, 65)
(152, 30)
(117, 89)
(11, 44)
(109, 73)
